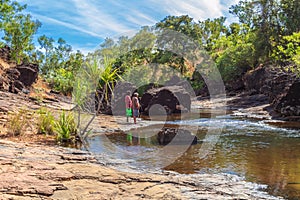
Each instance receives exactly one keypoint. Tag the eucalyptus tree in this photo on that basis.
(176, 33)
(263, 17)
(47, 47)
(290, 16)
(210, 31)
(18, 29)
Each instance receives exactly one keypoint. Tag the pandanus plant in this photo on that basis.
(96, 74)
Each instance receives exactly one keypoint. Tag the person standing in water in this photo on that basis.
(128, 105)
(135, 106)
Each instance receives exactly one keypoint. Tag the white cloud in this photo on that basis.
(111, 18)
(96, 19)
(198, 10)
(139, 18)
(68, 25)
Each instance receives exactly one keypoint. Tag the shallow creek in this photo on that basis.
(260, 151)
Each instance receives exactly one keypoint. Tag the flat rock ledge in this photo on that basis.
(30, 171)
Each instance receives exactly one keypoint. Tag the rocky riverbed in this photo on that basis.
(34, 167)
(30, 171)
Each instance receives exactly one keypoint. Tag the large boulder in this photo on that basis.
(174, 99)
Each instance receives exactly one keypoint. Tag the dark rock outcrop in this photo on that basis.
(5, 53)
(281, 86)
(288, 103)
(174, 99)
(15, 78)
(10, 76)
(2, 82)
(19, 77)
(176, 136)
(117, 106)
(254, 80)
(28, 73)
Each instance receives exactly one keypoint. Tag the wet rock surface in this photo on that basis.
(42, 172)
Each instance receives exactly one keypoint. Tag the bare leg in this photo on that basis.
(134, 120)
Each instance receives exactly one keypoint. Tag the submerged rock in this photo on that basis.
(176, 136)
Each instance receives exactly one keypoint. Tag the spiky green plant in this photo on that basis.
(65, 127)
(45, 121)
(108, 77)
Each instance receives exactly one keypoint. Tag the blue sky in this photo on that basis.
(85, 23)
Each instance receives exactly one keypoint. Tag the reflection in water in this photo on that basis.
(262, 153)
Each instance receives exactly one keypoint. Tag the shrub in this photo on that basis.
(288, 51)
(235, 61)
(18, 121)
(65, 127)
(45, 121)
(62, 80)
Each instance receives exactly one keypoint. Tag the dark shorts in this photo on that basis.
(135, 112)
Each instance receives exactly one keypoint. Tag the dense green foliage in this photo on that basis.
(58, 63)
(18, 29)
(267, 31)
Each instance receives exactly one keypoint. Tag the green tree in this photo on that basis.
(288, 51)
(58, 63)
(290, 16)
(211, 31)
(175, 42)
(182, 24)
(18, 29)
(234, 53)
(263, 17)
(47, 45)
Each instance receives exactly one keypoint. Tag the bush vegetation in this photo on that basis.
(45, 121)
(65, 127)
(19, 121)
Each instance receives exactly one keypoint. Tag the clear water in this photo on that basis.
(260, 152)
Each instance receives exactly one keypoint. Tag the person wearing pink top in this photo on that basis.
(128, 105)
